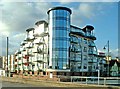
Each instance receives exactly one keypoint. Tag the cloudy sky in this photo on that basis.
(16, 17)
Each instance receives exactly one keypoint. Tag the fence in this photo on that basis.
(91, 80)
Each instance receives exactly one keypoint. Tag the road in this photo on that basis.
(11, 85)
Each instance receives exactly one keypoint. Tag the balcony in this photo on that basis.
(36, 35)
(91, 36)
(77, 33)
(16, 63)
(24, 60)
(72, 49)
(90, 44)
(23, 43)
(90, 69)
(29, 68)
(25, 67)
(73, 40)
(29, 39)
(31, 63)
(19, 58)
(23, 49)
(34, 50)
(75, 50)
(19, 62)
(77, 60)
(39, 51)
(26, 64)
(30, 54)
(30, 60)
(76, 30)
(92, 52)
(90, 61)
(38, 42)
(26, 57)
(17, 68)
(20, 55)
(40, 35)
(38, 59)
(43, 34)
(29, 45)
(19, 52)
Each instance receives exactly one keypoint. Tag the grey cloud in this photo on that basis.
(20, 16)
(16, 18)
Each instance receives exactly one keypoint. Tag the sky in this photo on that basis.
(16, 17)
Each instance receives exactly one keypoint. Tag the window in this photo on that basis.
(85, 66)
(33, 72)
(50, 67)
(85, 49)
(85, 57)
(44, 73)
(79, 66)
(85, 41)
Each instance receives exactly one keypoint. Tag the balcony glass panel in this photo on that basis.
(91, 43)
(74, 39)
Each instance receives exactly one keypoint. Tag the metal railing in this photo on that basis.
(91, 80)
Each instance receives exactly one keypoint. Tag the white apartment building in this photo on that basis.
(58, 48)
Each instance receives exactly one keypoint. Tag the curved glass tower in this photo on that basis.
(59, 29)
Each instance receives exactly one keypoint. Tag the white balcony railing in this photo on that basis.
(24, 60)
(19, 61)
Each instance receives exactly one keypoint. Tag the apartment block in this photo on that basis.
(56, 47)
(8, 64)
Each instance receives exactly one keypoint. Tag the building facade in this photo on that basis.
(57, 47)
(114, 66)
(8, 65)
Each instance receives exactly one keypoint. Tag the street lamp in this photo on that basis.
(7, 58)
(107, 45)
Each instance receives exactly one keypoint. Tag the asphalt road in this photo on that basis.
(11, 85)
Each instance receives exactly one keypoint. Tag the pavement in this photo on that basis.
(34, 84)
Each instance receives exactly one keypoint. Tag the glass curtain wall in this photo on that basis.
(59, 21)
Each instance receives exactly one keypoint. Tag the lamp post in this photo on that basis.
(7, 58)
(107, 45)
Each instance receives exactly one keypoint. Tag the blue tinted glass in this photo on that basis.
(60, 44)
(60, 54)
(64, 64)
(60, 23)
(57, 33)
(65, 23)
(64, 33)
(61, 29)
(60, 13)
(64, 54)
(61, 33)
(65, 13)
(60, 63)
(65, 43)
